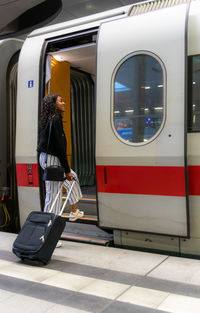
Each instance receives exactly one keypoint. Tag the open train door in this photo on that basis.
(141, 122)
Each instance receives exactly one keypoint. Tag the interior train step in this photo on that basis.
(87, 219)
(87, 204)
(87, 234)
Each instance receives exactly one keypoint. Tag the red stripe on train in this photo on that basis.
(147, 180)
(194, 180)
(27, 175)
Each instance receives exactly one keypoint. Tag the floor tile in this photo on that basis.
(27, 272)
(4, 294)
(105, 289)
(8, 256)
(180, 304)
(94, 272)
(12, 284)
(4, 263)
(144, 297)
(178, 269)
(126, 261)
(21, 303)
(87, 302)
(48, 293)
(75, 252)
(119, 307)
(68, 281)
(7, 240)
(121, 277)
(64, 309)
(170, 286)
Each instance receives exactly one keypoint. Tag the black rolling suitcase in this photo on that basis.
(40, 234)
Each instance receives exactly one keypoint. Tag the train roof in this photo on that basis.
(103, 16)
(133, 9)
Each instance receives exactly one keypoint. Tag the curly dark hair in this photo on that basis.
(48, 108)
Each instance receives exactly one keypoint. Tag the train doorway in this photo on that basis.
(70, 71)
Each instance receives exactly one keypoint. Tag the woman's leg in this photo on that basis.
(52, 187)
(74, 207)
(76, 193)
(75, 196)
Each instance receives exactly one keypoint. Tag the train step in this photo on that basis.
(87, 234)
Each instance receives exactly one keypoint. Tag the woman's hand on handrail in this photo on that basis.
(69, 176)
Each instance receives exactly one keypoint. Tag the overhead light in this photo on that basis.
(116, 111)
(160, 86)
(57, 57)
(158, 108)
(129, 111)
(194, 83)
(146, 87)
(89, 6)
(146, 109)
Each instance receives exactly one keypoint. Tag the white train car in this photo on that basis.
(130, 78)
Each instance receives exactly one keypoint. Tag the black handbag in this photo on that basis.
(53, 172)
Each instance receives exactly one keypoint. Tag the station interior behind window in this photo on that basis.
(138, 104)
(194, 94)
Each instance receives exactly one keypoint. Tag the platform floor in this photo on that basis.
(84, 278)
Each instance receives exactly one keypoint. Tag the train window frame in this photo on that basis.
(164, 94)
(190, 126)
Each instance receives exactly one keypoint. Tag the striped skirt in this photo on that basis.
(52, 187)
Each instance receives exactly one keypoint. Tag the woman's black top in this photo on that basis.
(57, 143)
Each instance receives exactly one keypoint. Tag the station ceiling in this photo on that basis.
(79, 8)
(22, 16)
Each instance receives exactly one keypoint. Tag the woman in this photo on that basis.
(53, 107)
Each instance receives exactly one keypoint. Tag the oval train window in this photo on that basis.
(138, 99)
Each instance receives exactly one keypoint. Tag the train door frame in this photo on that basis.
(10, 49)
(12, 178)
(78, 39)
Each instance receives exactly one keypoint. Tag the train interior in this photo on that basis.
(70, 71)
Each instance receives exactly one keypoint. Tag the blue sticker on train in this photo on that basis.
(30, 83)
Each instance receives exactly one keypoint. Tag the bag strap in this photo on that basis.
(50, 127)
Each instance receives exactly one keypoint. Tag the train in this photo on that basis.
(130, 78)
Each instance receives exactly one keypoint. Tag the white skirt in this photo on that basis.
(52, 187)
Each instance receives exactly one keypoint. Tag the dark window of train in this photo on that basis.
(194, 94)
(138, 108)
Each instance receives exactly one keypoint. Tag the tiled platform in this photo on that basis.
(85, 278)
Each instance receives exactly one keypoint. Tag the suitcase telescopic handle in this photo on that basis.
(67, 198)
(65, 202)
